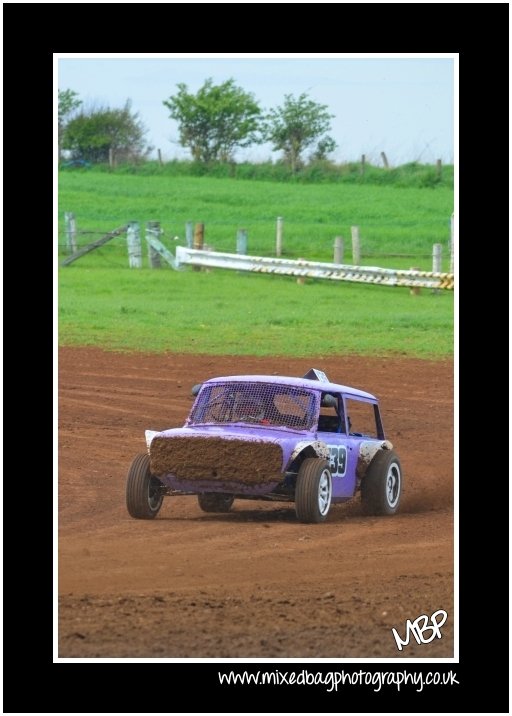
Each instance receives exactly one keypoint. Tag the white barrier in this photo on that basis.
(158, 248)
(314, 269)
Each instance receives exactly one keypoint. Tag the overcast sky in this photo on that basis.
(401, 105)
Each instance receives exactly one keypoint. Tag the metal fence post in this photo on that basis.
(338, 250)
(134, 245)
(356, 246)
(241, 241)
(279, 236)
(70, 231)
(153, 231)
(436, 261)
(437, 251)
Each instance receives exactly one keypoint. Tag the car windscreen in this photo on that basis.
(255, 403)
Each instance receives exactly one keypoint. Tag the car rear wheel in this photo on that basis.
(381, 487)
(313, 492)
(215, 502)
(144, 495)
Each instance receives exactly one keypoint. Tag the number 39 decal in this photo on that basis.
(337, 460)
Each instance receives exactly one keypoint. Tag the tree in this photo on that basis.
(68, 102)
(98, 133)
(325, 146)
(296, 125)
(215, 121)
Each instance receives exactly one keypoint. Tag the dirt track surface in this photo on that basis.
(254, 582)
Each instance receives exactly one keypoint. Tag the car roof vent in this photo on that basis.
(315, 374)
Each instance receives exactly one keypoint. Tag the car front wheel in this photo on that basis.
(144, 495)
(313, 491)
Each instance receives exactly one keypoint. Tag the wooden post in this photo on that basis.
(338, 250)
(70, 231)
(415, 290)
(356, 246)
(134, 245)
(439, 168)
(111, 157)
(189, 234)
(452, 246)
(198, 240)
(301, 280)
(436, 261)
(153, 230)
(199, 237)
(160, 157)
(384, 159)
(241, 241)
(363, 162)
(279, 236)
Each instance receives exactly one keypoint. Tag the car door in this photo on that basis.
(342, 447)
(363, 425)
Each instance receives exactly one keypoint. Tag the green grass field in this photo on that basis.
(102, 302)
(392, 220)
(225, 312)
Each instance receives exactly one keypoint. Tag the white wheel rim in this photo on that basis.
(324, 492)
(154, 496)
(393, 485)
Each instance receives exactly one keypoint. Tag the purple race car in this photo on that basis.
(303, 440)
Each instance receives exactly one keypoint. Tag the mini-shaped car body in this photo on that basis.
(302, 440)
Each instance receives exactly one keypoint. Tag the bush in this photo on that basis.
(319, 171)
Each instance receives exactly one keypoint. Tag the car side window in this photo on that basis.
(330, 418)
(361, 418)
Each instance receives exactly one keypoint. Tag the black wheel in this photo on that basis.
(143, 490)
(313, 492)
(381, 487)
(215, 502)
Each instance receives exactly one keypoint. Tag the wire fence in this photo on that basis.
(319, 241)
